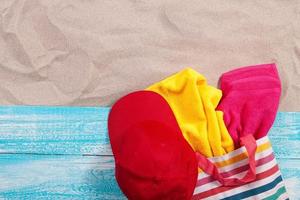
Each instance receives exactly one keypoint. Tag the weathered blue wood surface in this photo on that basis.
(64, 153)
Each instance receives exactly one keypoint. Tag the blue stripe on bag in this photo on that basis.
(256, 191)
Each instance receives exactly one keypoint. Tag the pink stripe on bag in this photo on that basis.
(208, 167)
(220, 189)
(236, 170)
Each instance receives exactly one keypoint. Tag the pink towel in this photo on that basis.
(250, 100)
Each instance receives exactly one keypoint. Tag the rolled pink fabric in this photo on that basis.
(250, 100)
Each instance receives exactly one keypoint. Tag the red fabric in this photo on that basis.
(153, 160)
(250, 100)
(208, 167)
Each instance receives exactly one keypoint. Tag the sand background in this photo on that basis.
(92, 52)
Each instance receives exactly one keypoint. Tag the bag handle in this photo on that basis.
(208, 167)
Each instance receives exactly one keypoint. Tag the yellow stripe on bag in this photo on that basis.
(242, 156)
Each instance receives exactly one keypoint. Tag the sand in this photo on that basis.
(92, 52)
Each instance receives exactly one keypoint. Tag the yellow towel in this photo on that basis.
(194, 105)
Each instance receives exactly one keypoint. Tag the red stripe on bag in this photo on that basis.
(220, 189)
(236, 170)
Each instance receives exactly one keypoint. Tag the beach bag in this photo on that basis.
(249, 172)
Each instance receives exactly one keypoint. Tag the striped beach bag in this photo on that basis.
(250, 172)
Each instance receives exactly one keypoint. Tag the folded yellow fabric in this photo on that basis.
(194, 105)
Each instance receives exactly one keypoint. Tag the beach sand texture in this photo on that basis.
(92, 52)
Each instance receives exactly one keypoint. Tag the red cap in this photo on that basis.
(153, 160)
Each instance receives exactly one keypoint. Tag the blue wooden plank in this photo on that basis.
(57, 177)
(290, 170)
(82, 177)
(43, 153)
(54, 130)
(83, 130)
(285, 135)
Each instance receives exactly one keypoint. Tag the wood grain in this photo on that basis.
(54, 130)
(64, 153)
(57, 177)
